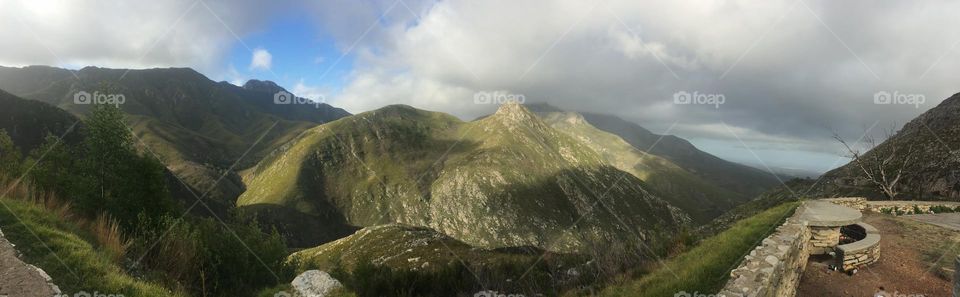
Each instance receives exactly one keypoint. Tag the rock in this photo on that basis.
(772, 260)
(314, 283)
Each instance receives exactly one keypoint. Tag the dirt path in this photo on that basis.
(907, 251)
(18, 278)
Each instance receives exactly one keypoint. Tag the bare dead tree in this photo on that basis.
(884, 167)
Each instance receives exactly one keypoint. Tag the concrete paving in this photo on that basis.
(18, 278)
(826, 214)
(946, 220)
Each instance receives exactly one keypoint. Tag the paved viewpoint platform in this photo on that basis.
(826, 214)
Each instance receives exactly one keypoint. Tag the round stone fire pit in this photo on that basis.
(830, 224)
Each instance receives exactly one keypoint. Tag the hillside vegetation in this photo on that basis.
(698, 197)
(931, 170)
(505, 180)
(706, 267)
(68, 252)
(199, 128)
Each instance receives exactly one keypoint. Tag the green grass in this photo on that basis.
(706, 267)
(67, 253)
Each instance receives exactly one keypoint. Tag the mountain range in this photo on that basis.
(201, 129)
(524, 176)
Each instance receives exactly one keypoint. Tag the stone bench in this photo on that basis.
(861, 252)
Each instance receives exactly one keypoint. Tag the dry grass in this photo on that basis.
(103, 229)
(107, 233)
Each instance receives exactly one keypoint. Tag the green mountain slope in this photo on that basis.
(199, 127)
(702, 199)
(933, 171)
(505, 180)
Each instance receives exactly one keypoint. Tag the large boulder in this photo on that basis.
(314, 283)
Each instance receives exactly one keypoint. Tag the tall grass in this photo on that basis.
(107, 233)
(50, 236)
(104, 230)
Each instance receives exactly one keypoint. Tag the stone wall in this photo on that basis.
(858, 203)
(774, 267)
(908, 207)
(861, 252)
(823, 239)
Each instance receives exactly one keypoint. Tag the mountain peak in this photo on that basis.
(262, 86)
(512, 107)
(513, 112)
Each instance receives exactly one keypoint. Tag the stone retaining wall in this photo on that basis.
(907, 207)
(774, 267)
(862, 252)
(858, 203)
(903, 206)
(824, 239)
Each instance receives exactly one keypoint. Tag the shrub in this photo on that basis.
(211, 258)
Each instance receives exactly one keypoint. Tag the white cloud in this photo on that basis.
(176, 33)
(315, 93)
(261, 59)
(792, 71)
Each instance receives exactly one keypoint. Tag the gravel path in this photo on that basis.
(18, 278)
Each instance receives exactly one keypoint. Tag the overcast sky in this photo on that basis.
(789, 72)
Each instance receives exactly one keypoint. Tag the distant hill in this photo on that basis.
(932, 173)
(699, 197)
(741, 179)
(506, 180)
(199, 127)
(28, 122)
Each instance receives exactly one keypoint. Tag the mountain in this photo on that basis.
(505, 180)
(199, 128)
(699, 197)
(932, 173)
(397, 246)
(28, 122)
(741, 179)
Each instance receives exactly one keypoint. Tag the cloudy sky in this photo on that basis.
(790, 73)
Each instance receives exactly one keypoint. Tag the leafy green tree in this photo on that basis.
(54, 166)
(119, 181)
(10, 158)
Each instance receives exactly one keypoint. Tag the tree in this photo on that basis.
(120, 181)
(10, 157)
(883, 166)
(54, 166)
